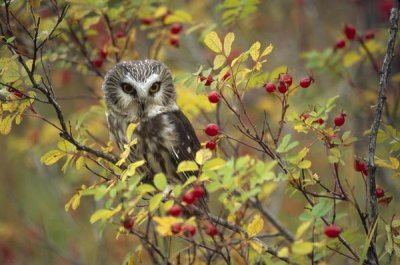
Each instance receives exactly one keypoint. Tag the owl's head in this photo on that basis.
(139, 89)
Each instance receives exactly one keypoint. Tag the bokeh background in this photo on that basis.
(35, 228)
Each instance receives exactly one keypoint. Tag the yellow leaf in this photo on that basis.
(268, 188)
(73, 202)
(104, 214)
(255, 50)
(396, 77)
(165, 223)
(129, 131)
(302, 228)
(229, 38)
(203, 155)
(187, 166)
(351, 58)
(52, 157)
(179, 16)
(155, 201)
(160, 11)
(304, 164)
(131, 170)
(256, 226)
(394, 163)
(283, 252)
(302, 248)
(213, 42)
(145, 188)
(267, 50)
(257, 246)
(219, 61)
(213, 164)
(80, 162)
(5, 125)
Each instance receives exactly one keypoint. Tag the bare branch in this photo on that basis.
(384, 74)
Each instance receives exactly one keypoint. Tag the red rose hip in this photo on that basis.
(340, 44)
(198, 191)
(211, 145)
(306, 82)
(98, 62)
(270, 87)
(209, 81)
(128, 223)
(332, 231)
(212, 129)
(147, 21)
(211, 230)
(176, 228)
(282, 87)
(174, 41)
(189, 230)
(287, 79)
(214, 96)
(226, 76)
(175, 210)
(176, 28)
(340, 119)
(379, 192)
(189, 198)
(350, 31)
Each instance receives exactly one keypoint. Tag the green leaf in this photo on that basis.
(52, 157)
(160, 181)
(322, 208)
(284, 145)
(213, 42)
(155, 202)
(187, 166)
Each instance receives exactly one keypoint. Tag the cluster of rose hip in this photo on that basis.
(188, 199)
(175, 29)
(214, 97)
(285, 80)
(351, 33)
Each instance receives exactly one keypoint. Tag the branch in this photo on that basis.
(394, 18)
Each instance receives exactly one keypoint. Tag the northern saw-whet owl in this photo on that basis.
(143, 92)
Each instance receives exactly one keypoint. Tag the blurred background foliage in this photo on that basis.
(34, 227)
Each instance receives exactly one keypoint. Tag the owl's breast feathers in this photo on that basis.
(163, 141)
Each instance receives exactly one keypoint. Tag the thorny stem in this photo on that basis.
(384, 74)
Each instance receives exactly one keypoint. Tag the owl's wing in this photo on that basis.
(186, 144)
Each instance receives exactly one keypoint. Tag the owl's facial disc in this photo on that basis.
(140, 89)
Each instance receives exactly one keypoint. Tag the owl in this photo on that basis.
(143, 92)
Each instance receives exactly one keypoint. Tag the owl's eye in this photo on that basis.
(127, 88)
(155, 87)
